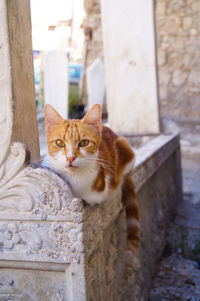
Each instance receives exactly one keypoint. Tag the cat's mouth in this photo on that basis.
(71, 166)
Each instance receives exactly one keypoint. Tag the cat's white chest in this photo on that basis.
(81, 184)
(81, 181)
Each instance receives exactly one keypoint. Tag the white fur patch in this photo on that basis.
(81, 178)
(129, 167)
(132, 222)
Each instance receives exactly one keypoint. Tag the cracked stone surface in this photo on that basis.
(178, 276)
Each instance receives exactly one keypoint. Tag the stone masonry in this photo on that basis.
(178, 31)
(92, 24)
(177, 34)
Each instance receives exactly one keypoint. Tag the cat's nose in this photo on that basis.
(70, 159)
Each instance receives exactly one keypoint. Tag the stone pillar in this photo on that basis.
(56, 81)
(96, 83)
(17, 94)
(130, 66)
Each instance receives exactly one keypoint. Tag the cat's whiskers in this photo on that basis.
(100, 161)
(100, 164)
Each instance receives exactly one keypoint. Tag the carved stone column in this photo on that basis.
(40, 223)
(17, 95)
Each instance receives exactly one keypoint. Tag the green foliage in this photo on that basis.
(73, 96)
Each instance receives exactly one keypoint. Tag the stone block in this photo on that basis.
(194, 78)
(96, 83)
(178, 44)
(32, 285)
(193, 32)
(56, 81)
(187, 23)
(195, 5)
(168, 24)
(161, 8)
(163, 94)
(176, 7)
(92, 6)
(179, 77)
(132, 106)
(165, 42)
(164, 77)
(186, 61)
(162, 58)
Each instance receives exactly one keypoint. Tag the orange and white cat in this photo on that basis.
(95, 162)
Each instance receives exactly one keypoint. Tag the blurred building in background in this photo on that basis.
(75, 26)
(56, 25)
(177, 25)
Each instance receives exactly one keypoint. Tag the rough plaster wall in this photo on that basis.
(178, 33)
(93, 21)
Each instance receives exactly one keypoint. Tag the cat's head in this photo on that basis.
(73, 144)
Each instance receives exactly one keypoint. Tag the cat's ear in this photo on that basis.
(93, 117)
(52, 117)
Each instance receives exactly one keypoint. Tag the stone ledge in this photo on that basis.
(48, 225)
(37, 193)
(151, 156)
(88, 242)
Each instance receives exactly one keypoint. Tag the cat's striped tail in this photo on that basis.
(132, 213)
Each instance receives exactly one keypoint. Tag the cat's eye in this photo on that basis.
(60, 143)
(83, 143)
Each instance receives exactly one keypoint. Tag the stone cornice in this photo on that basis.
(151, 156)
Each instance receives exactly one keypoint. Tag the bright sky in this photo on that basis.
(49, 12)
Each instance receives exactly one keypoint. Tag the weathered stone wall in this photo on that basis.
(178, 44)
(158, 201)
(113, 274)
(92, 24)
(178, 47)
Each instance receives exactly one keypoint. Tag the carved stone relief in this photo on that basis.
(14, 297)
(39, 218)
(34, 190)
(41, 241)
(6, 116)
(40, 221)
(12, 157)
(20, 285)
